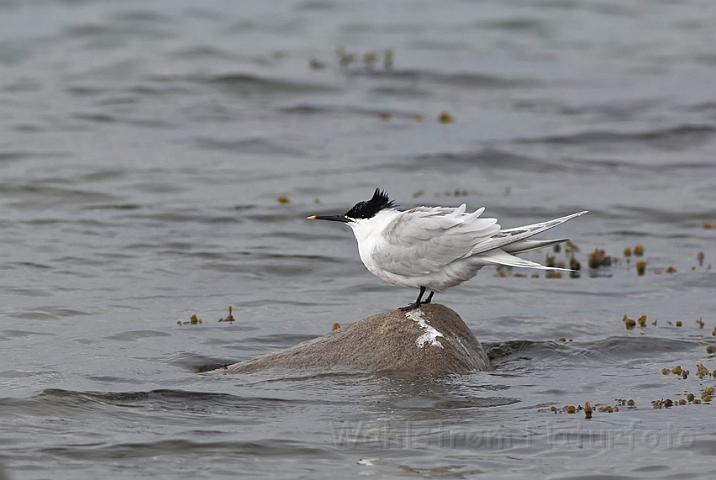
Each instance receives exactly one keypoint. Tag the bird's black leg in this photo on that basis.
(430, 297)
(417, 303)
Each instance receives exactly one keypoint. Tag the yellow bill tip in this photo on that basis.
(312, 217)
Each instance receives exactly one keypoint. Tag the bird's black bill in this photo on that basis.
(332, 218)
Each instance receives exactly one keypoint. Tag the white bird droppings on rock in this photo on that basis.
(430, 336)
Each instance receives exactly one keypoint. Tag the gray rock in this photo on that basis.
(429, 341)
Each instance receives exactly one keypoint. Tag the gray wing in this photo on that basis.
(423, 240)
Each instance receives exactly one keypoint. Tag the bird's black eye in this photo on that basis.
(369, 208)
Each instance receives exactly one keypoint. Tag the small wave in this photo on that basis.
(134, 335)
(676, 138)
(461, 79)
(48, 313)
(488, 158)
(54, 401)
(255, 449)
(118, 206)
(307, 109)
(22, 155)
(245, 84)
(14, 334)
(40, 195)
(604, 351)
(279, 340)
(95, 117)
(203, 51)
(257, 146)
(520, 24)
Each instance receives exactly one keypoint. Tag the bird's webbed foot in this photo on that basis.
(418, 302)
(410, 307)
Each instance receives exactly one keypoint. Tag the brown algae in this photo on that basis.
(445, 117)
(598, 258)
(230, 317)
(640, 267)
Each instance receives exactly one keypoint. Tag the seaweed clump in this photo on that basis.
(598, 258)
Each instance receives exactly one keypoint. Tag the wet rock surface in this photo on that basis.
(430, 341)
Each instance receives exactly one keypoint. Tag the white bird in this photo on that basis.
(435, 248)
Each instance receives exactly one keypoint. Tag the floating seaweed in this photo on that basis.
(445, 117)
(369, 59)
(344, 58)
(316, 64)
(668, 403)
(702, 371)
(598, 258)
(589, 410)
(193, 320)
(229, 318)
(549, 261)
(640, 267)
(608, 409)
(569, 246)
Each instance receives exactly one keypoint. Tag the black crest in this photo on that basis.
(369, 208)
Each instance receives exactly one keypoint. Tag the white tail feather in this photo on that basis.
(500, 257)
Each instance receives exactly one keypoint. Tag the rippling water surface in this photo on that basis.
(158, 160)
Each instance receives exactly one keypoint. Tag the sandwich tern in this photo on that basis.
(435, 248)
